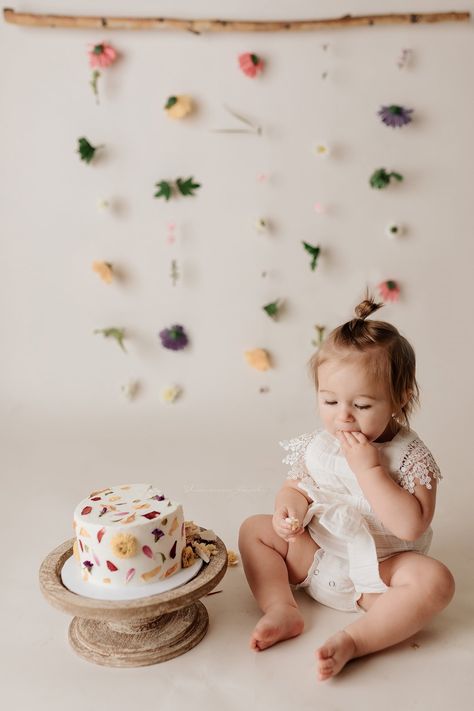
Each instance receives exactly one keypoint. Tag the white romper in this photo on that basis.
(340, 520)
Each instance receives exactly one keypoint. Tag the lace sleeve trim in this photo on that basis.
(297, 448)
(417, 462)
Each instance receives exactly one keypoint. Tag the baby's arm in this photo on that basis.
(290, 502)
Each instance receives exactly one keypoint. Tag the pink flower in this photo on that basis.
(389, 290)
(250, 64)
(102, 55)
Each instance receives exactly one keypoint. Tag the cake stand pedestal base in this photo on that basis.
(139, 643)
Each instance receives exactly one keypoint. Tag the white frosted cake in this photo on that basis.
(130, 534)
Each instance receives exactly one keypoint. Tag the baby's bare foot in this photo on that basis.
(278, 623)
(334, 654)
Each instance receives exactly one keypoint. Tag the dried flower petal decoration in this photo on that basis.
(102, 55)
(86, 150)
(320, 336)
(232, 558)
(319, 208)
(104, 270)
(380, 178)
(395, 115)
(117, 333)
(405, 58)
(314, 251)
(170, 394)
(103, 204)
(124, 545)
(174, 338)
(322, 149)
(258, 358)
(179, 106)
(273, 309)
(394, 230)
(251, 64)
(174, 272)
(262, 225)
(389, 290)
(130, 389)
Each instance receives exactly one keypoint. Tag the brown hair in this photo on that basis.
(394, 361)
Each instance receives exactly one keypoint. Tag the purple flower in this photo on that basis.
(157, 533)
(174, 337)
(87, 564)
(394, 115)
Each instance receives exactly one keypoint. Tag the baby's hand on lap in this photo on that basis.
(286, 524)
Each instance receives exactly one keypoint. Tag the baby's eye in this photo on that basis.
(326, 402)
(363, 407)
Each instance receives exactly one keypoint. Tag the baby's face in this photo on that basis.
(350, 399)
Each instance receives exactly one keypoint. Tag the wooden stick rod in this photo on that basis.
(199, 26)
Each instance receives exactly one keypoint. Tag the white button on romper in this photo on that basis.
(340, 519)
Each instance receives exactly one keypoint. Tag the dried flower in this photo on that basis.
(389, 290)
(395, 116)
(261, 225)
(251, 64)
(380, 178)
(171, 393)
(102, 55)
(258, 358)
(187, 557)
(103, 204)
(404, 58)
(232, 557)
(322, 149)
(130, 391)
(320, 336)
(174, 338)
(104, 270)
(124, 545)
(179, 106)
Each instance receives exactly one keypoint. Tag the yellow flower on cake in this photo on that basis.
(124, 545)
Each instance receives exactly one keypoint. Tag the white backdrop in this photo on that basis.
(59, 378)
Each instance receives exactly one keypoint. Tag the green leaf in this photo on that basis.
(187, 187)
(380, 178)
(314, 251)
(117, 333)
(272, 309)
(86, 150)
(172, 100)
(164, 190)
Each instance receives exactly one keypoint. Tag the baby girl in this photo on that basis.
(352, 520)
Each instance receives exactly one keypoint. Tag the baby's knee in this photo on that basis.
(441, 584)
(253, 527)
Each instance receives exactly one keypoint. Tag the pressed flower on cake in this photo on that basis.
(124, 545)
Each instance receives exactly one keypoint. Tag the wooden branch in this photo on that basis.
(199, 26)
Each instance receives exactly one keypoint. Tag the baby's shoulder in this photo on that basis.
(414, 460)
(296, 448)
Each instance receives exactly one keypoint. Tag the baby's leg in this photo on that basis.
(270, 564)
(419, 588)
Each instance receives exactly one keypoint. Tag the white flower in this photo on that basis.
(103, 204)
(261, 225)
(130, 389)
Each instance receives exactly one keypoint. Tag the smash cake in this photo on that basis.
(133, 535)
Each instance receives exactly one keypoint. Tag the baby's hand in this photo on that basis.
(286, 524)
(360, 454)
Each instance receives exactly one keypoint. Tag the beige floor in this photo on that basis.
(45, 475)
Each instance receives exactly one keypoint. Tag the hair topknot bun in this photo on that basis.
(367, 307)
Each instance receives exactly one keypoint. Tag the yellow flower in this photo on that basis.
(321, 149)
(232, 558)
(124, 545)
(170, 394)
(178, 107)
(187, 557)
(258, 359)
(104, 270)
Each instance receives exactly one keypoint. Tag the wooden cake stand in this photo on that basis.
(133, 633)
